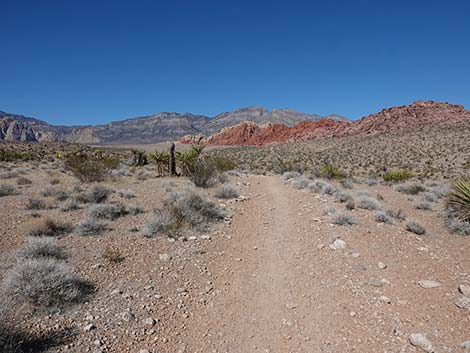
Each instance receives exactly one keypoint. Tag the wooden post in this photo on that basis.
(172, 161)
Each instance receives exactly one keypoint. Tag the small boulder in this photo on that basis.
(420, 340)
(427, 284)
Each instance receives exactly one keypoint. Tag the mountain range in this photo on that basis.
(404, 117)
(156, 128)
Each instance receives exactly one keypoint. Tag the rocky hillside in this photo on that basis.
(20, 128)
(419, 113)
(148, 129)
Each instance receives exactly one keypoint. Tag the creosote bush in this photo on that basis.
(202, 174)
(89, 167)
(414, 226)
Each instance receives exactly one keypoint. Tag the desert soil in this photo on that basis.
(266, 281)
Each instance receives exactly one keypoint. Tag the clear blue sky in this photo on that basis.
(77, 62)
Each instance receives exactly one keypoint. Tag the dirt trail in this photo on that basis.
(270, 301)
(280, 288)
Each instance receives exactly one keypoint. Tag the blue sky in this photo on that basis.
(85, 62)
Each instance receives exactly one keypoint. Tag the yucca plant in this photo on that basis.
(397, 175)
(186, 160)
(139, 158)
(161, 159)
(459, 198)
(330, 171)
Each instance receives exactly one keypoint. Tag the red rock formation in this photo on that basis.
(391, 119)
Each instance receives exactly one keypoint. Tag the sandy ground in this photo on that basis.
(267, 281)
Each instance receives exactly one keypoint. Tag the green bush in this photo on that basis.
(10, 155)
(222, 164)
(330, 171)
(90, 167)
(397, 175)
(202, 174)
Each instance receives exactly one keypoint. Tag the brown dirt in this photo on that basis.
(266, 282)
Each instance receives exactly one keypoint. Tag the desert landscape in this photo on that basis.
(235, 176)
(341, 243)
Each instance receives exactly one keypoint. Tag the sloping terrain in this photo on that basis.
(420, 113)
(156, 128)
(429, 150)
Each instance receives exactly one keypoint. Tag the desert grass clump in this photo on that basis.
(44, 282)
(342, 196)
(383, 217)
(372, 181)
(301, 183)
(186, 209)
(290, 175)
(397, 175)
(113, 255)
(164, 222)
(7, 190)
(126, 194)
(347, 183)
(367, 203)
(41, 247)
(135, 210)
(58, 194)
(70, 205)
(109, 211)
(50, 228)
(350, 204)
(414, 226)
(23, 181)
(423, 205)
(35, 204)
(429, 196)
(458, 227)
(90, 226)
(398, 214)
(226, 192)
(411, 189)
(97, 194)
(343, 218)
